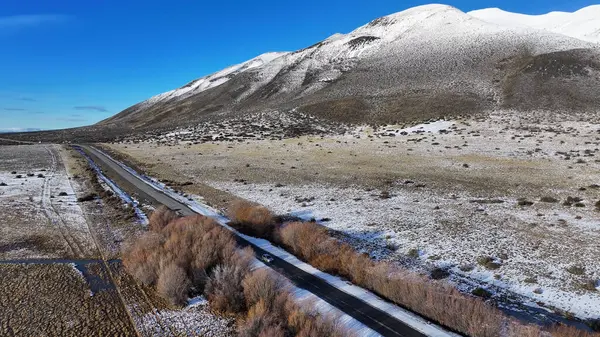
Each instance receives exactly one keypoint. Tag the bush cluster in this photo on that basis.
(188, 256)
(252, 219)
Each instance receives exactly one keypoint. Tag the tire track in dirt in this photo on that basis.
(105, 262)
(134, 298)
(87, 227)
(50, 212)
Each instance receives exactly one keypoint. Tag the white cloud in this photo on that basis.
(15, 23)
(12, 130)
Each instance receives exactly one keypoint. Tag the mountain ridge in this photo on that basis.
(429, 60)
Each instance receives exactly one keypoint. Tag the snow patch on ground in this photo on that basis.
(194, 320)
(118, 191)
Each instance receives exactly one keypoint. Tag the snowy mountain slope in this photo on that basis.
(583, 24)
(216, 79)
(425, 61)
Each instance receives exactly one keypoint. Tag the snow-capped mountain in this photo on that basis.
(583, 24)
(422, 62)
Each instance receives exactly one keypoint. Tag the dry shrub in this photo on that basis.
(141, 258)
(264, 286)
(260, 323)
(252, 219)
(224, 289)
(282, 315)
(173, 284)
(160, 218)
(321, 326)
(272, 331)
(305, 321)
(569, 331)
(196, 244)
(195, 254)
(307, 239)
(436, 300)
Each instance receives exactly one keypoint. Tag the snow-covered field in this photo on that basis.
(454, 227)
(41, 216)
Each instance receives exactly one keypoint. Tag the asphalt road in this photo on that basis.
(370, 316)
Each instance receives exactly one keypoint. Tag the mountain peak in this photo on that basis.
(582, 24)
(414, 12)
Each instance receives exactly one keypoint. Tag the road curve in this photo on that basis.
(374, 318)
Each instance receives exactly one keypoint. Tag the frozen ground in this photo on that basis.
(41, 216)
(453, 226)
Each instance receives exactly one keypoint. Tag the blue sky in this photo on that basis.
(68, 63)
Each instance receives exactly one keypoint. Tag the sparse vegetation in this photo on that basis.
(413, 252)
(576, 270)
(488, 262)
(570, 201)
(524, 202)
(466, 267)
(480, 292)
(589, 285)
(548, 199)
(530, 280)
(439, 273)
(87, 197)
